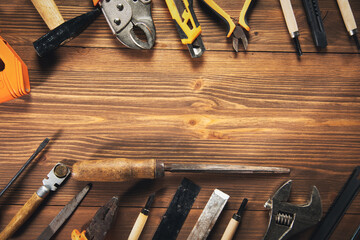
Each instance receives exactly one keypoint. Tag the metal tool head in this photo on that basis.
(103, 220)
(56, 176)
(287, 219)
(124, 16)
(239, 34)
(197, 48)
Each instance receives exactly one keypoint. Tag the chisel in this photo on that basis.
(349, 20)
(122, 169)
(141, 219)
(209, 216)
(291, 24)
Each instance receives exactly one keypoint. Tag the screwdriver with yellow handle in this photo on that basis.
(122, 169)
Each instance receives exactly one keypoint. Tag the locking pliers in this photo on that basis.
(124, 16)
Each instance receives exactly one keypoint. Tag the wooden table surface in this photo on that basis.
(96, 99)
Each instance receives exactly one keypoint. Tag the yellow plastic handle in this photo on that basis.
(185, 21)
(222, 14)
(244, 11)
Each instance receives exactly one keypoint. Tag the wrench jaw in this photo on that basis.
(123, 16)
(286, 219)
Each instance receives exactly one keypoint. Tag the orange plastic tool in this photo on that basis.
(14, 76)
(76, 235)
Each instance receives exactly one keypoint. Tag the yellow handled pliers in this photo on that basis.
(234, 30)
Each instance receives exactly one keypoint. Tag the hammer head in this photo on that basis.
(287, 219)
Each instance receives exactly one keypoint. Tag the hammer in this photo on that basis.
(61, 31)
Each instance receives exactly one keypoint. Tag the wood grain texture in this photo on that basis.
(98, 100)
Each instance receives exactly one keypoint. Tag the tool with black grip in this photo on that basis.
(182, 12)
(54, 179)
(291, 24)
(234, 222)
(313, 15)
(177, 211)
(64, 33)
(338, 207)
(349, 20)
(122, 169)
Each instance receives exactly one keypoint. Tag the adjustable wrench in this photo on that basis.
(287, 219)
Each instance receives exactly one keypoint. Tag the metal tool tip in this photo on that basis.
(297, 46)
(149, 201)
(43, 144)
(356, 39)
(242, 207)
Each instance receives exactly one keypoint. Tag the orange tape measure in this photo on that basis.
(14, 76)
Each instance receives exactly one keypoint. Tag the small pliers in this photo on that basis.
(234, 30)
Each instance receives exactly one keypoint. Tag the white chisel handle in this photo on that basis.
(230, 230)
(289, 17)
(49, 13)
(138, 227)
(347, 16)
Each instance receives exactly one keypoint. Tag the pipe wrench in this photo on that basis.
(56, 176)
(124, 16)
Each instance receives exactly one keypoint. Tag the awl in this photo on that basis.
(64, 214)
(122, 169)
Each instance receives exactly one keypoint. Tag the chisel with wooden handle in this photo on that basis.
(141, 220)
(349, 20)
(122, 169)
(56, 176)
(234, 222)
(291, 24)
(49, 12)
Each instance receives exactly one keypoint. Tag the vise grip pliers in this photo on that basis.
(124, 16)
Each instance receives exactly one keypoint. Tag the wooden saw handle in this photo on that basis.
(49, 12)
(21, 216)
(117, 170)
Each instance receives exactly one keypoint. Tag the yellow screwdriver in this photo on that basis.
(122, 169)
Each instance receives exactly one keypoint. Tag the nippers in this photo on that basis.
(123, 16)
(234, 30)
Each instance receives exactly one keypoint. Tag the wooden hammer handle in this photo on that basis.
(116, 170)
(49, 13)
(21, 216)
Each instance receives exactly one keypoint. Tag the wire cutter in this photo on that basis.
(100, 224)
(234, 30)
